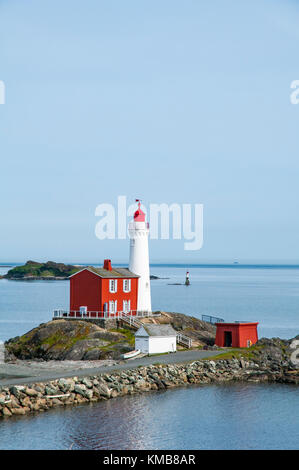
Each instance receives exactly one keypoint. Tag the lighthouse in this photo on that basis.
(139, 258)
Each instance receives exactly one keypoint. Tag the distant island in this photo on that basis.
(33, 270)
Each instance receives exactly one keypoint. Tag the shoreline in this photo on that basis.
(19, 400)
(27, 372)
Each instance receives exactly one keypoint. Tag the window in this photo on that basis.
(112, 285)
(112, 306)
(126, 306)
(127, 285)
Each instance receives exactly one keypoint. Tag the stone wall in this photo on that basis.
(22, 399)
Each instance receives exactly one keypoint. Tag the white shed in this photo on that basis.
(155, 339)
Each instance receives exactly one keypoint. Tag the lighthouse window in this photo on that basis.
(127, 285)
(112, 285)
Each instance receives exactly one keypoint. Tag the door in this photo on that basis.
(228, 339)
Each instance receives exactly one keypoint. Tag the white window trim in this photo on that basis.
(112, 306)
(129, 285)
(126, 306)
(111, 281)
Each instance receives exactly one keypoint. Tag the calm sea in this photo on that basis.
(210, 417)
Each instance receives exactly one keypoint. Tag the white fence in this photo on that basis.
(94, 315)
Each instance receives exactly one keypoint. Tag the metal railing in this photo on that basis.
(184, 340)
(209, 319)
(131, 320)
(93, 315)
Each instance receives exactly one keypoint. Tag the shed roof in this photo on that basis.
(115, 272)
(158, 330)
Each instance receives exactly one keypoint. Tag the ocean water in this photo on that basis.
(240, 416)
(196, 417)
(269, 296)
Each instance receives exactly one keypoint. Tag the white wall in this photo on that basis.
(160, 344)
(142, 344)
(139, 263)
(156, 344)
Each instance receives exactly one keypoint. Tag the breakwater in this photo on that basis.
(23, 399)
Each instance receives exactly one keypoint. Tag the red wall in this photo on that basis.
(120, 295)
(241, 333)
(87, 288)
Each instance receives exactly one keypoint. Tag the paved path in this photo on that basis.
(11, 374)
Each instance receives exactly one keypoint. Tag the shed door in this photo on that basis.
(228, 339)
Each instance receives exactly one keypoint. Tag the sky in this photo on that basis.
(184, 102)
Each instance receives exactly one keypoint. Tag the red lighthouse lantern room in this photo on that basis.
(236, 335)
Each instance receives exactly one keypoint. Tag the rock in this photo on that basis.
(92, 355)
(201, 332)
(16, 390)
(49, 390)
(41, 403)
(83, 340)
(4, 398)
(81, 389)
(66, 385)
(88, 394)
(57, 402)
(25, 401)
(18, 411)
(90, 389)
(104, 390)
(31, 392)
(87, 382)
(6, 412)
(72, 340)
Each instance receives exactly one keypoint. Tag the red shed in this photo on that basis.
(236, 335)
(103, 292)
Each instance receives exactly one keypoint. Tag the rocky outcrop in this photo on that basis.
(85, 340)
(201, 332)
(20, 400)
(71, 340)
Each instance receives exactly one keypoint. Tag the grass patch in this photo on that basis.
(159, 354)
(238, 353)
(127, 333)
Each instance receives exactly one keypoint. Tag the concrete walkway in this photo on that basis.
(11, 374)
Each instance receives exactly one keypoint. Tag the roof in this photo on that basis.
(115, 272)
(139, 215)
(158, 330)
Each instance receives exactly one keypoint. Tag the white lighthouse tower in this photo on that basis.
(139, 259)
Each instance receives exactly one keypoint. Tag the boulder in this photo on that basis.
(65, 339)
